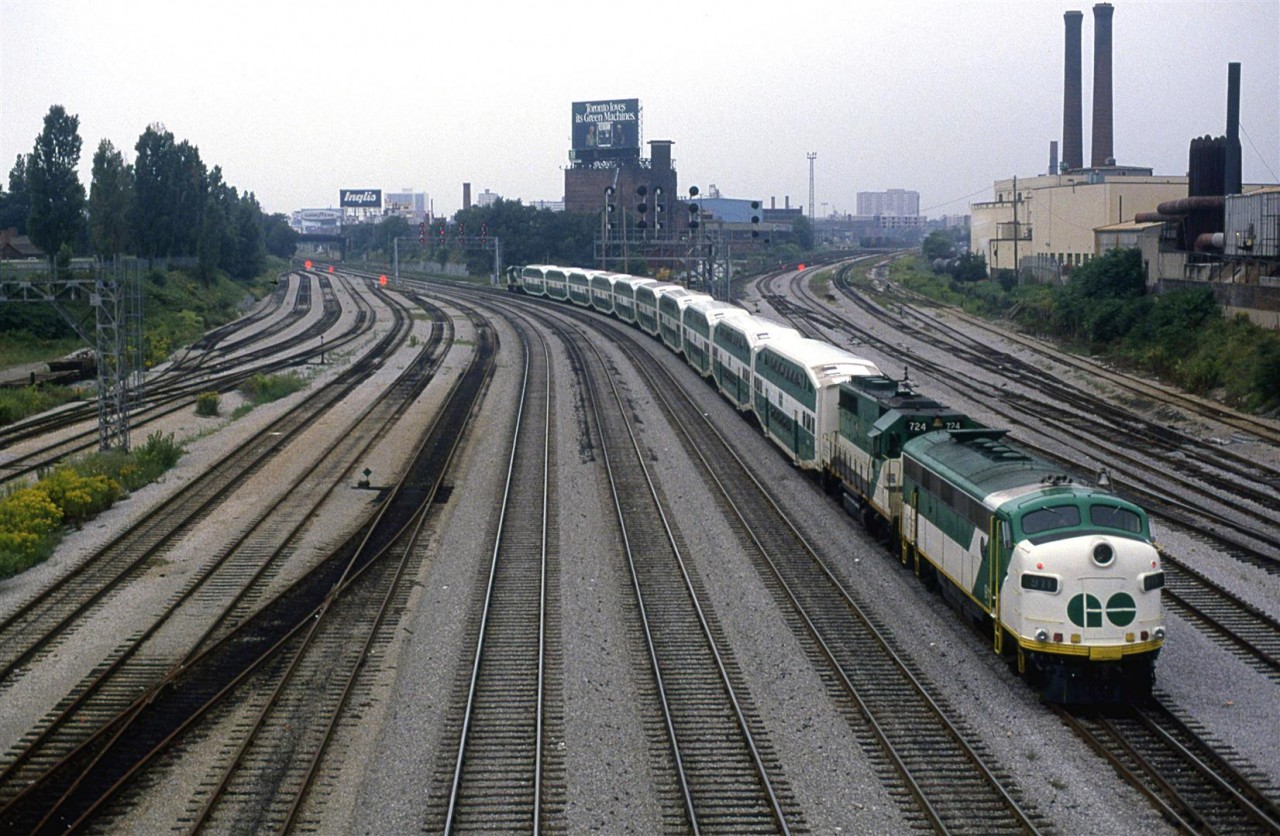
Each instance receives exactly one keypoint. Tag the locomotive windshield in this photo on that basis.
(1047, 519)
(1109, 516)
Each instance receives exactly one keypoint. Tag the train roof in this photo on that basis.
(660, 289)
(897, 395)
(757, 329)
(979, 461)
(708, 304)
(633, 281)
(823, 360)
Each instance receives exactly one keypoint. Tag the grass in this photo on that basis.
(16, 404)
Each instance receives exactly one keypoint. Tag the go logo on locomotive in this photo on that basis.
(1086, 610)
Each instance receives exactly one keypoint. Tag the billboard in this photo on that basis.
(360, 198)
(612, 125)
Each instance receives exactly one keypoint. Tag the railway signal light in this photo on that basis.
(755, 219)
(307, 264)
(422, 232)
(659, 209)
(642, 208)
(382, 280)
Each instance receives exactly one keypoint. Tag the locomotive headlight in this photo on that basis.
(1103, 554)
(1159, 632)
(1042, 635)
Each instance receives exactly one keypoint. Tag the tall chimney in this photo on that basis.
(1103, 151)
(1053, 157)
(1234, 174)
(1072, 106)
(466, 196)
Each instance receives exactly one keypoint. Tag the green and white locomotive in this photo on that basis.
(1066, 574)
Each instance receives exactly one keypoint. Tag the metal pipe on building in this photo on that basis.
(1187, 205)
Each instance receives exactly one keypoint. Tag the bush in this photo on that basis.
(207, 403)
(79, 497)
(263, 388)
(29, 522)
(159, 454)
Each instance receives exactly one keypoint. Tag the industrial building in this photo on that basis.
(1205, 227)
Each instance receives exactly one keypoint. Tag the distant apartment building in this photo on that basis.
(408, 204)
(898, 202)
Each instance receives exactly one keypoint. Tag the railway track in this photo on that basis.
(223, 594)
(508, 770)
(46, 617)
(1195, 788)
(328, 600)
(729, 779)
(178, 393)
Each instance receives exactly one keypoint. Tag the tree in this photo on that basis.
(110, 201)
(57, 196)
(936, 245)
(970, 267)
(281, 239)
(169, 194)
(391, 228)
(251, 254)
(802, 232)
(15, 205)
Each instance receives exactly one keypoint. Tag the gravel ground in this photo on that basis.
(390, 758)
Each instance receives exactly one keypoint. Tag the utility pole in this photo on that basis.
(811, 156)
(1015, 226)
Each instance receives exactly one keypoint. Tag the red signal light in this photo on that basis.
(382, 280)
(330, 268)
(800, 267)
(308, 264)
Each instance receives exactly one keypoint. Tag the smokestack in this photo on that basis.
(1233, 174)
(1103, 150)
(1053, 157)
(1072, 106)
(466, 196)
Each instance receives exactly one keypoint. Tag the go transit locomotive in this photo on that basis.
(1063, 575)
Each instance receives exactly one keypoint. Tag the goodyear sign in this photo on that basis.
(360, 198)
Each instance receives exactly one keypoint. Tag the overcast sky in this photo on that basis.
(296, 100)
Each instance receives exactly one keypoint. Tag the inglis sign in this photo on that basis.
(360, 198)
